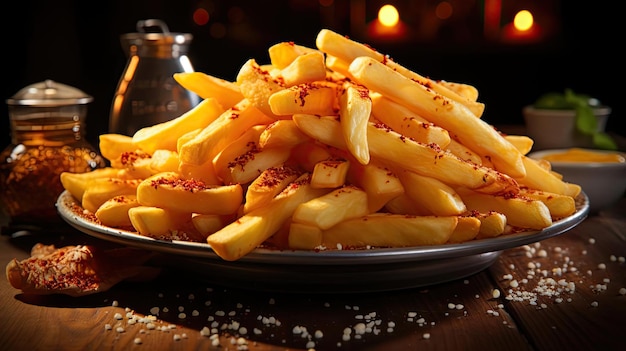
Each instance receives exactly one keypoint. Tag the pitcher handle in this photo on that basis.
(143, 24)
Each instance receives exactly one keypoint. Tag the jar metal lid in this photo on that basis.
(49, 94)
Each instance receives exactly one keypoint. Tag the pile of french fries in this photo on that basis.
(333, 147)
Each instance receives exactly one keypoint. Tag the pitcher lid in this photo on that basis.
(49, 94)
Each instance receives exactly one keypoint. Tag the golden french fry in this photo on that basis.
(164, 161)
(348, 50)
(449, 114)
(227, 127)
(246, 142)
(540, 178)
(282, 133)
(112, 145)
(76, 183)
(390, 230)
(257, 85)
(169, 191)
(466, 229)
(165, 135)
(207, 224)
(464, 152)
(522, 142)
(99, 190)
(306, 68)
(308, 154)
(157, 222)
(330, 173)
(432, 194)
(520, 211)
(114, 212)
(206, 86)
(204, 172)
(408, 123)
(248, 166)
(492, 224)
(284, 53)
(304, 236)
(560, 206)
(403, 204)
(318, 98)
(355, 108)
(242, 236)
(267, 185)
(467, 91)
(329, 209)
(380, 184)
(338, 66)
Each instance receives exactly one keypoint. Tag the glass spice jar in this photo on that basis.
(47, 122)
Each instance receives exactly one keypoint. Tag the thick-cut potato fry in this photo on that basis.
(248, 141)
(248, 166)
(380, 183)
(390, 230)
(158, 223)
(282, 133)
(257, 85)
(464, 152)
(240, 237)
(348, 50)
(284, 53)
(449, 114)
(468, 91)
(337, 206)
(338, 66)
(406, 122)
(355, 107)
(304, 236)
(100, 190)
(318, 98)
(308, 154)
(226, 128)
(306, 68)
(466, 229)
(428, 160)
(204, 172)
(206, 86)
(165, 135)
(167, 190)
(114, 212)
(522, 212)
(112, 145)
(560, 206)
(207, 224)
(267, 185)
(541, 178)
(492, 224)
(76, 183)
(403, 204)
(330, 173)
(164, 161)
(523, 143)
(432, 194)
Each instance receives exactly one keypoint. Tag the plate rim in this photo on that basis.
(66, 205)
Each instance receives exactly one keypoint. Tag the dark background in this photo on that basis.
(77, 43)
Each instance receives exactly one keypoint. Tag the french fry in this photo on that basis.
(112, 145)
(242, 236)
(165, 135)
(282, 133)
(327, 210)
(158, 223)
(523, 143)
(306, 68)
(267, 185)
(465, 90)
(449, 114)
(164, 161)
(348, 50)
(541, 178)
(380, 184)
(207, 224)
(76, 183)
(466, 229)
(431, 194)
(464, 152)
(338, 66)
(406, 122)
(246, 142)
(284, 53)
(249, 165)
(318, 98)
(226, 128)
(390, 230)
(308, 154)
(330, 173)
(206, 86)
(492, 224)
(560, 206)
(100, 190)
(355, 107)
(304, 236)
(520, 211)
(167, 190)
(204, 172)
(114, 212)
(403, 204)
(257, 85)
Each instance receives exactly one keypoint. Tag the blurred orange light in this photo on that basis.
(523, 20)
(388, 16)
(443, 10)
(200, 16)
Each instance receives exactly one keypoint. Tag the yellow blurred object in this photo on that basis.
(582, 155)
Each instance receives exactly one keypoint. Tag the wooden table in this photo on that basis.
(464, 314)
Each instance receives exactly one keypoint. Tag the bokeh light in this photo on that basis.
(201, 16)
(388, 15)
(523, 20)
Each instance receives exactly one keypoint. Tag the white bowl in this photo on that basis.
(603, 182)
(556, 129)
